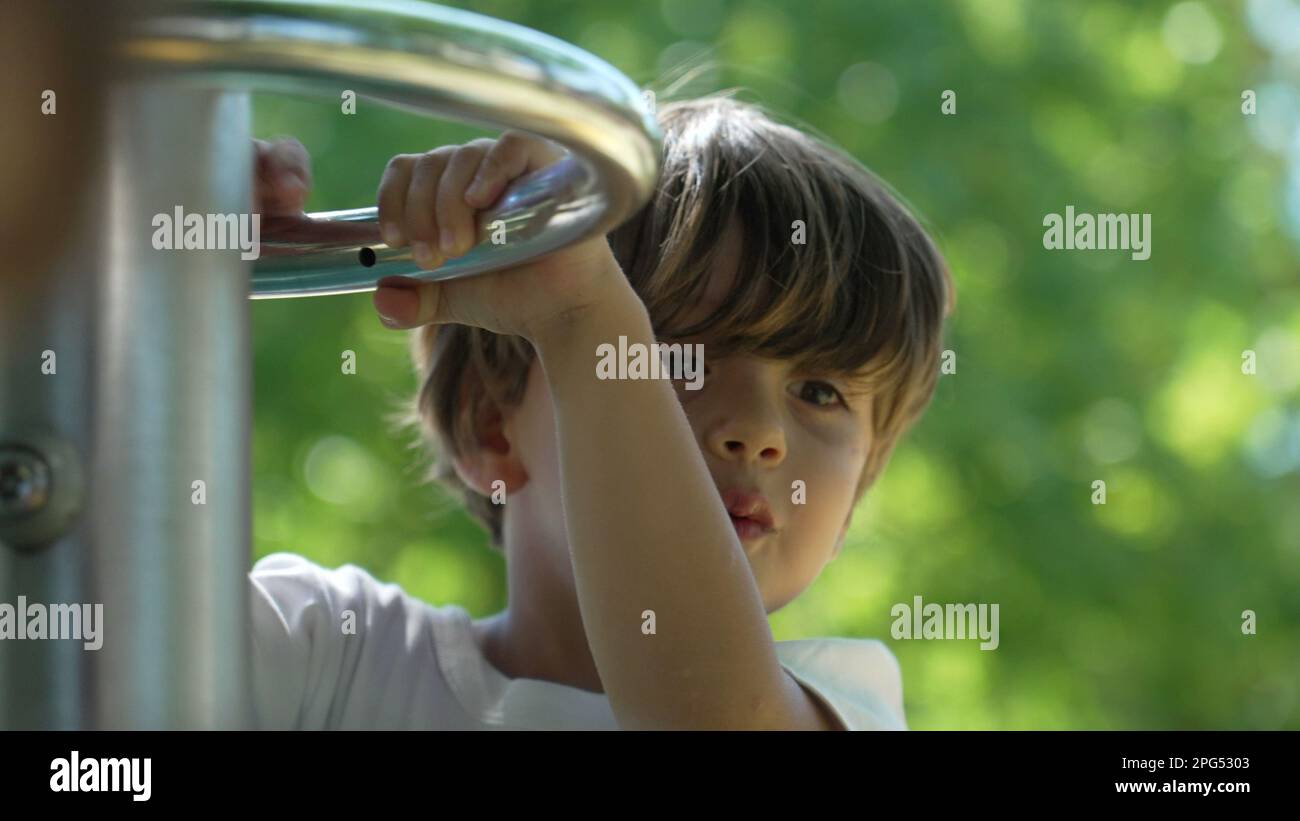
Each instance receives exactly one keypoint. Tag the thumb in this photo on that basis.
(402, 302)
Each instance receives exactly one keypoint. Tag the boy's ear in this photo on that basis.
(494, 457)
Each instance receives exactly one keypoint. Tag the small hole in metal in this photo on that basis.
(367, 256)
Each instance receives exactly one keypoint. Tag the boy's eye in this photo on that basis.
(824, 389)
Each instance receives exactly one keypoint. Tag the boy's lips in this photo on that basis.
(748, 529)
(749, 506)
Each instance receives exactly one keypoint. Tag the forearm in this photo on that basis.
(648, 532)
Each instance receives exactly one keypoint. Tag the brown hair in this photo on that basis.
(864, 296)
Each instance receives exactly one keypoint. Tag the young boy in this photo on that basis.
(648, 525)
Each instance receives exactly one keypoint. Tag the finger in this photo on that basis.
(516, 153)
(420, 220)
(283, 176)
(261, 148)
(281, 198)
(507, 159)
(392, 199)
(288, 157)
(455, 217)
(281, 202)
(403, 303)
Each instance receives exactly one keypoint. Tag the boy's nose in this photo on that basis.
(766, 454)
(751, 434)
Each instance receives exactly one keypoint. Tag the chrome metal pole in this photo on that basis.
(172, 511)
(151, 393)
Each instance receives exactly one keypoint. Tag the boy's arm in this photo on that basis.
(648, 532)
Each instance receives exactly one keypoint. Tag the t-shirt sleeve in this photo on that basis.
(303, 617)
(858, 679)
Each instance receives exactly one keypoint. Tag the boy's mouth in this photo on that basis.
(750, 512)
(748, 529)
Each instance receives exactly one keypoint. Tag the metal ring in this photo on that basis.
(431, 60)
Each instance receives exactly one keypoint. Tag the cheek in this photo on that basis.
(833, 453)
(830, 466)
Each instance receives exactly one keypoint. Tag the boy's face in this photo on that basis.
(761, 426)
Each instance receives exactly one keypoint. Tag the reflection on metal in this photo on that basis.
(432, 60)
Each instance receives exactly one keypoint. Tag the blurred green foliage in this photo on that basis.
(1071, 367)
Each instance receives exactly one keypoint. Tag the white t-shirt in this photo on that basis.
(410, 665)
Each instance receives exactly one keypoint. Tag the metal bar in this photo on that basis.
(152, 391)
(434, 61)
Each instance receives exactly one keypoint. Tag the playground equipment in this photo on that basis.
(125, 385)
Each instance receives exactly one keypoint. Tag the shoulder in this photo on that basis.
(321, 633)
(314, 601)
(859, 679)
(297, 586)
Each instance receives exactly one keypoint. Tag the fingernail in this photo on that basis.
(392, 236)
(447, 239)
(393, 303)
(475, 190)
(423, 254)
